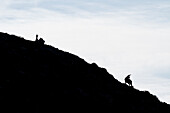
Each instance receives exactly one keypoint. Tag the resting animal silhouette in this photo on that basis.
(39, 41)
(128, 81)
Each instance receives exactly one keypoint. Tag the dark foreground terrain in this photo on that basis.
(38, 78)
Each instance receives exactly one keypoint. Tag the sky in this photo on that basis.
(123, 36)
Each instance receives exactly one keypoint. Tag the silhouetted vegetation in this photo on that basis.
(44, 79)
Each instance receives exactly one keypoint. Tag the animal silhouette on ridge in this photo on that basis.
(39, 41)
(128, 81)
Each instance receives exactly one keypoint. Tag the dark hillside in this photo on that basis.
(38, 78)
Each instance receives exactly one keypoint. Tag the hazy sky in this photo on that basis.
(123, 36)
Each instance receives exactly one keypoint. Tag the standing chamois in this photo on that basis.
(128, 81)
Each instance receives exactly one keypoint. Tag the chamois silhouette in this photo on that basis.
(128, 81)
(39, 41)
(36, 38)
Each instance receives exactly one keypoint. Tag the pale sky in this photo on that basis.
(123, 36)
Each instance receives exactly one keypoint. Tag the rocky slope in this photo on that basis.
(38, 78)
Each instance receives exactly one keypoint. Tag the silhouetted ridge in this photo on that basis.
(38, 78)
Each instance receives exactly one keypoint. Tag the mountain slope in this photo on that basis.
(37, 78)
